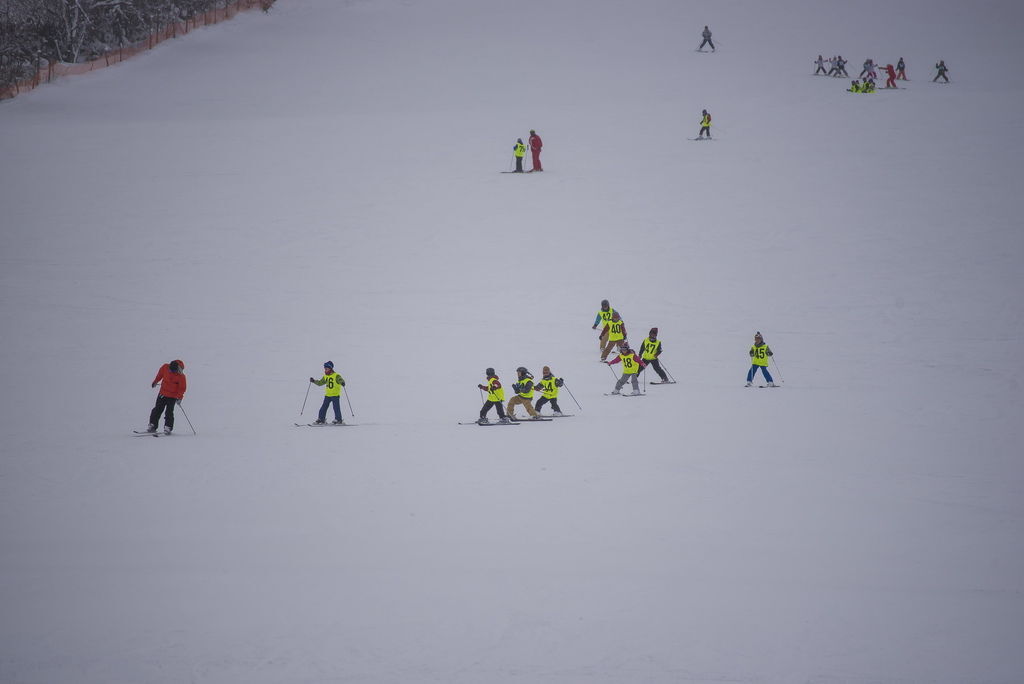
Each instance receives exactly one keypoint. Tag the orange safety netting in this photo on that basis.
(55, 70)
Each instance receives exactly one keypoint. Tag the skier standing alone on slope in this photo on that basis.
(332, 394)
(535, 145)
(706, 35)
(172, 390)
(495, 397)
(901, 70)
(705, 125)
(631, 367)
(759, 355)
(941, 66)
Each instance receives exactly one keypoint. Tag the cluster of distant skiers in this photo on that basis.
(865, 81)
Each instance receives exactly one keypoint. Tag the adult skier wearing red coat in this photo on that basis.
(172, 390)
(535, 144)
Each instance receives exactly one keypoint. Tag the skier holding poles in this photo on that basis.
(524, 393)
(519, 151)
(650, 350)
(631, 367)
(615, 330)
(548, 385)
(705, 125)
(941, 66)
(604, 316)
(760, 353)
(332, 394)
(172, 390)
(495, 397)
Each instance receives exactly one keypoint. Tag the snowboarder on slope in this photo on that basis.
(706, 35)
(548, 386)
(650, 350)
(332, 394)
(518, 151)
(759, 354)
(524, 393)
(495, 397)
(941, 66)
(535, 144)
(616, 331)
(705, 125)
(172, 381)
(631, 367)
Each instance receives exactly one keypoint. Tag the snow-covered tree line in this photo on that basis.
(33, 32)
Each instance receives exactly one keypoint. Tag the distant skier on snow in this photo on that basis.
(173, 384)
(705, 125)
(650, 350)
(759, 355)
(523, 387)
(604, 316)
(332, 394)
(901, 70)
(535, 145)
(890, 81)
(519, 151)
(631, 367)
(941, 66)
(821, 66)
(706, 35)
(548, 386)
(495, 397)
(615, 329)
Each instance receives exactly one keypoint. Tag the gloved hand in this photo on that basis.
(312, 379)
(153, 385)
(751, 353)
(593, 327)
(178, 402)
(481, 387)
(770, 353)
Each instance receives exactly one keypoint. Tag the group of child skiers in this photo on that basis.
(525, 389)
(865, 81)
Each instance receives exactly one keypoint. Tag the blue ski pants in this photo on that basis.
(753, 371)
(328, 401)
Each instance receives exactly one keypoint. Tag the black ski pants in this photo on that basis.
(706, 41)
(487, 409)
(544, 400)
(164, 405)
(653, 363)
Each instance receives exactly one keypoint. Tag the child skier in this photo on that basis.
(759, 355)
(650, 350)
(854, 87)
(841, 67)
(548, 385)
(941, 66)
(901, 70)
(524, 393)
(172, 391)
(890, 82)
(631, 367)
(616, 332)
(332, 394)
(519, 151)
(604, 316)
(705, 125)
(495, 397)
(821, 66)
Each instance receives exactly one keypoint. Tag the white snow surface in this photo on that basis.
(322, 182)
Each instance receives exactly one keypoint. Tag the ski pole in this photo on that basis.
(571, 395)
(304, 400)
(186, 417)
(777, 369)
(349, 404)
(667, 372)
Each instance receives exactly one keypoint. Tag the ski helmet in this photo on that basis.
(522, 369)
(489, 372)
(605, 304)
(175, 366)
(654, 331)
(329, 364)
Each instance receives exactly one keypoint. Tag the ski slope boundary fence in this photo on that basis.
(54, 70)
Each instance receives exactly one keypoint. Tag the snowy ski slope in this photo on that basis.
(322, 182)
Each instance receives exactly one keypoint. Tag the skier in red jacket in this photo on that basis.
(172, 390)
(891, 81)
(535, 144)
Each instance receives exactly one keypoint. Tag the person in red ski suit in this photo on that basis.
(171, 377)
(891, 81)
(535, 144)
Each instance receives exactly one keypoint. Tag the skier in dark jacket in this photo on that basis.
(941, 66)
(901, 70)
(706, 34)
